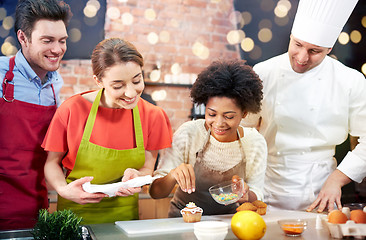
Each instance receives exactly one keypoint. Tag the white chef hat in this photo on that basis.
(320, 22)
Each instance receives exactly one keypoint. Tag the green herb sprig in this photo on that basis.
(59, 225)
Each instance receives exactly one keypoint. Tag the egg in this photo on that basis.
(337, 216)
(358, 216)
(347, 211)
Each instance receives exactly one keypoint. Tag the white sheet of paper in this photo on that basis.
(111, 189)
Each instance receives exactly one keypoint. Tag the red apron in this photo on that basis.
(23, 126)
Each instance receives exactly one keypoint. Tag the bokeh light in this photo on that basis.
(11, 40)
(280, 11)
(235, 17)
(235, 36)
(90, 10)
(200, 50)
(363, 68)
(267, 5)
(256, 53)
(247, 16)
(8, 23)
(127, 18)
(164, 36)
(247, 44)
(176, 69)
(74, 35)
(152, 38)
(2, 13)
(363, 21)
(283, 21)
(3, 32)
(113, 13)
(174, 23)
(265, 23)
(285, 3)
(150, 14)
(343, 38)
(91, 21)
(8, 49)
(356, 36)
(265, 35)
(94, 3)
(159, 95)
(155, 75)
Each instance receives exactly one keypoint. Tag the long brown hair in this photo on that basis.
(111, 51)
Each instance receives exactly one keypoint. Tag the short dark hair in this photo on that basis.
(28, 12)
(233, 79)
(111, 51)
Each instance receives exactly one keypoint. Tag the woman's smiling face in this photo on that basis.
(123, 83)
(223, 117)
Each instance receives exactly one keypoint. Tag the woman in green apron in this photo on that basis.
(209, 151)
(106, 136)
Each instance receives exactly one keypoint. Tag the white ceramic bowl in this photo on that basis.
(227, 192)
(213, 230)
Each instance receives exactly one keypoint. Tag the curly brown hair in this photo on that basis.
(233, 79)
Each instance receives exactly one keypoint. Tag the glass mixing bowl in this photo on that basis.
(227, 192)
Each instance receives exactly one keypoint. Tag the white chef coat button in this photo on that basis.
(278, 103)
(312, 109)
(278, 153)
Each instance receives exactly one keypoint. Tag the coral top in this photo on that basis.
(113, 128)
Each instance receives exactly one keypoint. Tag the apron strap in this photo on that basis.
(54, 94)
(138, 128)
(93, 114)
(199, 154)
(8, 89)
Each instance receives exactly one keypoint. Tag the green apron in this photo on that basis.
(106, 166)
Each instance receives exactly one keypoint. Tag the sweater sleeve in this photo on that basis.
(185, 141)
(255, 148)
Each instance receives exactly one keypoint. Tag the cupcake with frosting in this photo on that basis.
(191, 213)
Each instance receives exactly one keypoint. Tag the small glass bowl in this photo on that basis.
(292, 227)
(227, 192)
(354, 206)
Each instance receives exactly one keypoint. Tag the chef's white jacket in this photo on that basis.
(304, 116)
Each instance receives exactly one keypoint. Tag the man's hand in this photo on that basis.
(331, 193)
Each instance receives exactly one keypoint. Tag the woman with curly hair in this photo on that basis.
(208, 151)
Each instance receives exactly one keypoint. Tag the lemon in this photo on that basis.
(248, 225)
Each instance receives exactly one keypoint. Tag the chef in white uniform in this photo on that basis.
(311, 103)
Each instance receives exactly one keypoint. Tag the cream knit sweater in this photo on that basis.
(220, 156)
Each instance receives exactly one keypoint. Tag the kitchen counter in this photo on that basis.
(112, 231)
